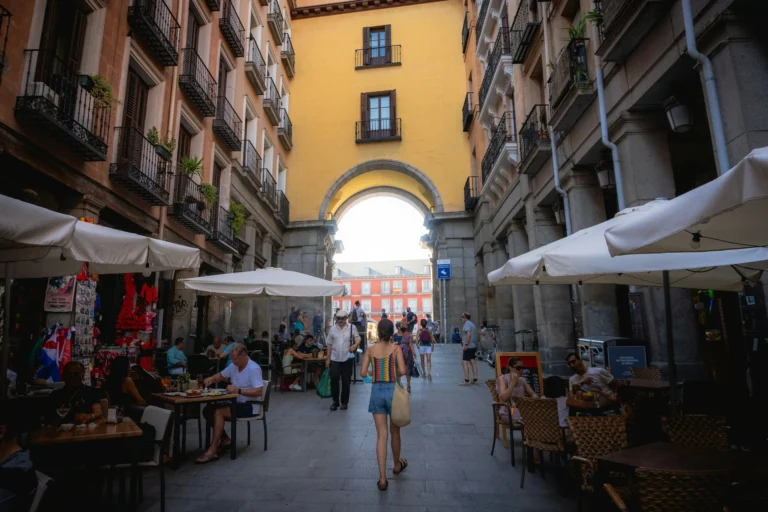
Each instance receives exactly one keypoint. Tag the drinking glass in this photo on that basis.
(63, 410)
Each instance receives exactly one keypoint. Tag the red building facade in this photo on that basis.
(389, 285)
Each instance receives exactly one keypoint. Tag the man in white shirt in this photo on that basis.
(246, 381)
(593, 380)
(343, 341)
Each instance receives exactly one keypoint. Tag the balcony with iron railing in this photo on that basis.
(288, 56)
(241, 245)
(222, 235)
(157, 28)
(570, 87)
(197, 83)
(252, 163)
(5, 28)
(501, 48)
(502, 147)
(188, 206)
(258, 251)
(378, 130)
(232, 29)
(535, 145)
(283, 207)
(490, 18)
(625, 23)
(227, 124)
(285, 130)
(271, 102)
(468, 111)
(465, 28)
(58, 101)
(525, 28)
(276, 22)
(481, 17)
(139, 168)
(214, 5)
(269, 187)
(380, 56)
(256, 67)
(471, 192)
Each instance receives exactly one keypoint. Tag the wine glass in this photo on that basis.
(63, 410)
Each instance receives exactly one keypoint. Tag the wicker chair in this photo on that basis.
(499, 423)
(541, 427)
(646, 372)
(596, 436)
(698, 431)
(677, 491)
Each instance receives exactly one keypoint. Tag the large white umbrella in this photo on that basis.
(727, 213)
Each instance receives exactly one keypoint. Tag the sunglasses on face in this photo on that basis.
(518, 368)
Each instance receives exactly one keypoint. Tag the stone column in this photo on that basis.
(89, 207)
(599, 313)
(266, 249)
(524, 309)
(491, 312)
(554, 317)
(482, 290)
(504, 301)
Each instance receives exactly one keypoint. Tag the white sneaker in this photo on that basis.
(295, 387)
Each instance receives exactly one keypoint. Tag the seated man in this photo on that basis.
(176, 358)
(18, 480)
(83, 402)
(215, 349)
(308, 346)
(246, 381)
(593, 380)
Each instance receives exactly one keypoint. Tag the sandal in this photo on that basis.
(403, 465)
(224, 447)
(383, 487)
(205, 459)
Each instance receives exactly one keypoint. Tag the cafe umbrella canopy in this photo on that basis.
(583, 258)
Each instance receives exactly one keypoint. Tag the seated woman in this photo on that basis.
(122, 389)
(289, 354)
(554, 387)
(512, 384)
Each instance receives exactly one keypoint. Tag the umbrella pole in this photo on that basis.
(6, 331)
(670, 345)
(269, 341)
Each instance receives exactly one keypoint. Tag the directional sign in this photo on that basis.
(443, 269)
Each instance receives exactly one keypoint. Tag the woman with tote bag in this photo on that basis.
(387, 398)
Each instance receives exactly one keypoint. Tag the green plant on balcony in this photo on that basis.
(209, 193)
(102, 93)
(237, 215)
(164, 148)
(191, 166)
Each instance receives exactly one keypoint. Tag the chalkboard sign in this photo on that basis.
(621, 359)
(531, 367)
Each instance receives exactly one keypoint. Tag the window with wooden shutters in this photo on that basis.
(377, 45)
(185, 142)
(193, 31)
(378, 115)
(134, 116)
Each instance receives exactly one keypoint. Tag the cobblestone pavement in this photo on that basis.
(323, 461)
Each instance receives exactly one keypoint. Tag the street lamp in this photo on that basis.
(678, 115)
(604, 169)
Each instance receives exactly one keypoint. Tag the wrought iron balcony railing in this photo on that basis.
(534, 130)
(214, 5)
(524, 29)
(285, 130)
(465, 27)
(500, 47)
(139, 168)
(276, 22)
(271, 102)
(156, 26)
(468, 111)
(256, 67)
(503, 133)
(227, 124)
(471, 192)
(269, 187)
(188, 207)
(197, 82)
(626, 23)
(5, 27)
(55, 99)
(378, 130)
(232, 29)
(378, 57)
(481, 19)
(241, 245)
(222, 235)
(570, 71)
(288, 55)
(283, 207)
(252, 162)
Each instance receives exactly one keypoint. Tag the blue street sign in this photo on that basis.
(443, 269)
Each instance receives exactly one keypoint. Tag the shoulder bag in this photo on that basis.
(401, 403)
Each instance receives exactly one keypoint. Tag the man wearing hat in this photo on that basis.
(343, 341)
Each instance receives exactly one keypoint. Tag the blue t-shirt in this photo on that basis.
(469, 327)
(227, 350)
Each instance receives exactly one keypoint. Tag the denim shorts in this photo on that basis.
(381, 398)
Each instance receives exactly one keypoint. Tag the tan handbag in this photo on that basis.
(401, 404)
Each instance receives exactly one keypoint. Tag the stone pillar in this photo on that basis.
(266, 249)
(599, 313)
(491, 312)
(482, 290)
(181, 326)
(524, 309)
(554, 317)
(504, 302)
(89, 207)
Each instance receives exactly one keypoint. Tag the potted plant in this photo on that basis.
(164, 148)
(191, 165)
(237, 215)
(183, 381)
(102, 92)
(86, 82)
(209, 193)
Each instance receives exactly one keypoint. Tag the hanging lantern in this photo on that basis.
(678, 115)
(604, 170)
(559, 213)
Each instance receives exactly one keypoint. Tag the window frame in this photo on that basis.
(426, 285)
(367, 130)
(366, 305)
(397, 286)
(385, 59)
(363, 286)
(395, 308)
(386, 289)
(415, 288)
(385, 305)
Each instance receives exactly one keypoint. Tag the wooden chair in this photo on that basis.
(262, 416)
(677, 491)
(499, 423)
(596, 436)
(698, 431)
(541, 428)
(646, 372)
(43, 481)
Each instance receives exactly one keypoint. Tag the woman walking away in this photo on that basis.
(383, 357)
(426, 342)
(408, 347)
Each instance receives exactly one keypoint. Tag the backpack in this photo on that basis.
(425, 338)
(354, 318)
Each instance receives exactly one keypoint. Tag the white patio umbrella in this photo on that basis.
(727, 213)
(583, 258)
(264, 282)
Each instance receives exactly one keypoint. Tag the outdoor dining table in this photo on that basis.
(179, 402)
(674, 457)
(306, 363)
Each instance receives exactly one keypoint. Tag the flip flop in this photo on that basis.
(205, 459)
(403, 465)
(224, 447)
(383, 487)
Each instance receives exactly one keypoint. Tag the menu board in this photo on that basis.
(531, 367)
(621, 360)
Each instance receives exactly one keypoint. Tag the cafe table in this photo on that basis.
(306, 363)
(667, 456)
(178, 402)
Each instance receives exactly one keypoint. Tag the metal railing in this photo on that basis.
(378, 130)
(378, 56)
(155, 21)
(471, 192)
(232, 29)
(227, 124)
(197, 82)
(570, 70)
(503, 133)
(252, 161)
(283, 207)
(269, 187)
(189, 204)
(5, 28)
(533, 131)
(275, 15)
(465, 27)
(59, 100)
(524, 29)
(500, 47)
(254, 56)
(611, 11)
(222, 226)
(214, 5)
(467, 111)
(139, 167)
(481, 18)
(286, 51)
(285, 127)
(271, 94)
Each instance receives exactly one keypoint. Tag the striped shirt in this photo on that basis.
(384, 368)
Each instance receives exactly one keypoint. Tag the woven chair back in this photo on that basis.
(596, 436)
(698, 431)
(646, 372)
(541, 424)
(682, 491)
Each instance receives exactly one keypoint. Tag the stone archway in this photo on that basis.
(382, 165)
(379, 192)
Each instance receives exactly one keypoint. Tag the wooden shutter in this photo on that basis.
(185, 142)
(192, 31)
(366, 46)
(388, 43)
(393, 113)
(222, 78)
(135, 102)
(364, 115)
(77, 41)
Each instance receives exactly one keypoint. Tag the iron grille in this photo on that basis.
(379, 56)
(534, 130)
(197, 82)
(255, 64)
(285, 129)
(214, 5)
(465, 32)
(271, 102)
(467, 111)
(288, 55)
(570, 70)
(227, 124)
(524, 30)
(284, 207)
(252, 161)
(158, 28)
(276, 22)
(222, 235)
(471, 192)
(503, 133)
(5, 28)
(232, 29)
(481, 19)
(139, 168)
(189, 207)
(500, 47)
(376, 130)
(269, 187)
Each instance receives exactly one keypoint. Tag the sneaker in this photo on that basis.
(464, 383)
(296, 387)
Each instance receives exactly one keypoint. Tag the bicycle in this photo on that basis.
(490, 358)
(534, 341)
